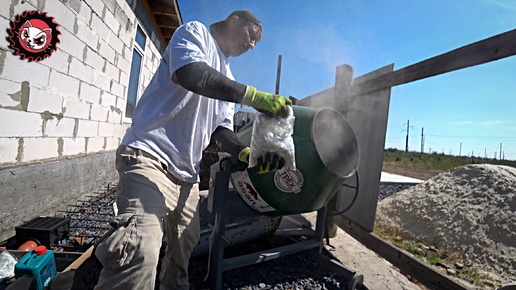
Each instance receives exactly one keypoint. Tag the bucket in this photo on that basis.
(39, 263)
(326, 153)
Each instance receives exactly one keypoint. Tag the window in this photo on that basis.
(133, 92)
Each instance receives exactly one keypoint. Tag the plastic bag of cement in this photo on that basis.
(273, 135)
(7, 264)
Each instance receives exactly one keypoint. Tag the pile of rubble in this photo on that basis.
(470, 210)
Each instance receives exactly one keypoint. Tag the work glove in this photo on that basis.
(269, 104)
(268, 163)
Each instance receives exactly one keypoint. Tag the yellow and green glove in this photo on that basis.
(268, 163)
(269, 104)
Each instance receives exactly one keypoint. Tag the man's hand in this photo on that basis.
(266, 103)
(243, 156)
(268, 163)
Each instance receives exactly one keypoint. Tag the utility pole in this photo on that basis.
(278, 75)
(406, 138)
(460, 149)
(422, 141)
(500, 151)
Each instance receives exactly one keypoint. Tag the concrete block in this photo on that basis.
(112, 143)
(22, 6)
(87, 128)
(118, 90)
(126, 35)
(115, 116)
(5, 8)
(107, 129)
(55, 127)
(107, 51)
(97, 6)
(116, 43)
(111, 22)
(42, 101)
(71, 44)
(121, 104)
(94, 59)
(99, 113)
(101, 81)
(123, 64)
(63, 15)
(76, 109)
(85, 13)
(8, 150)
(89, 93)
(95, 144)
(58, 61)
(112, 71)
(80, 71)
(73, 146)
(4, 26)
(39, 148)
(10, 95)
(99, 27)
(83, 31)
(18, 70)
(124, 78)
(64, 85)
(108, 100)
(11, 127)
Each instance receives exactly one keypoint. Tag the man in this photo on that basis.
(189, 101)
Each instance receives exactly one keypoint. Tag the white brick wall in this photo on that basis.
(20, 124)
(8, 150)
(73, 146)
(87, 128)
(95, 144)
(42, 101)
(39, 148)
(72, 102)
(55, 127)
(8, 96)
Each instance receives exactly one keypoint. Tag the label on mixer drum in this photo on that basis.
(249, 194)
(289, 180)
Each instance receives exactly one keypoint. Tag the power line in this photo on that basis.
(479, 137)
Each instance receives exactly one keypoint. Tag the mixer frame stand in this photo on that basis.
(219, 186)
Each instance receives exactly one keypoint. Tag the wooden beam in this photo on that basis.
(163, 7)
(149, 10)
(401, 259)
(489, 49)
(166, 21)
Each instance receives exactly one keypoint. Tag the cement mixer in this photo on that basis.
(326, 154)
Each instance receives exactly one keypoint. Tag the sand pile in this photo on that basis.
(470, 210)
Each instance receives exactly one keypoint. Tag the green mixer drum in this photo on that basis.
(326, 153)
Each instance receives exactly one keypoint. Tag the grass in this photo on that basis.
(439, 258)
(436, 161)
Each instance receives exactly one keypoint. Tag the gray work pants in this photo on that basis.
(149, 200)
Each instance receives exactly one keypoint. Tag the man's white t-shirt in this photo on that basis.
(175, 124)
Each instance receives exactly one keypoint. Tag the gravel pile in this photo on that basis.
(470, 210)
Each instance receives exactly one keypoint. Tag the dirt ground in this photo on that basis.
(378, 273)
(419, 174)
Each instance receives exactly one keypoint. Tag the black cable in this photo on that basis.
(354, 198)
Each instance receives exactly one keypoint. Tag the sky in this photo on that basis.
(467, 112)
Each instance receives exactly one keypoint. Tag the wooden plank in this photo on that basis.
(401, 259)
(77, 263)
(490, 49)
